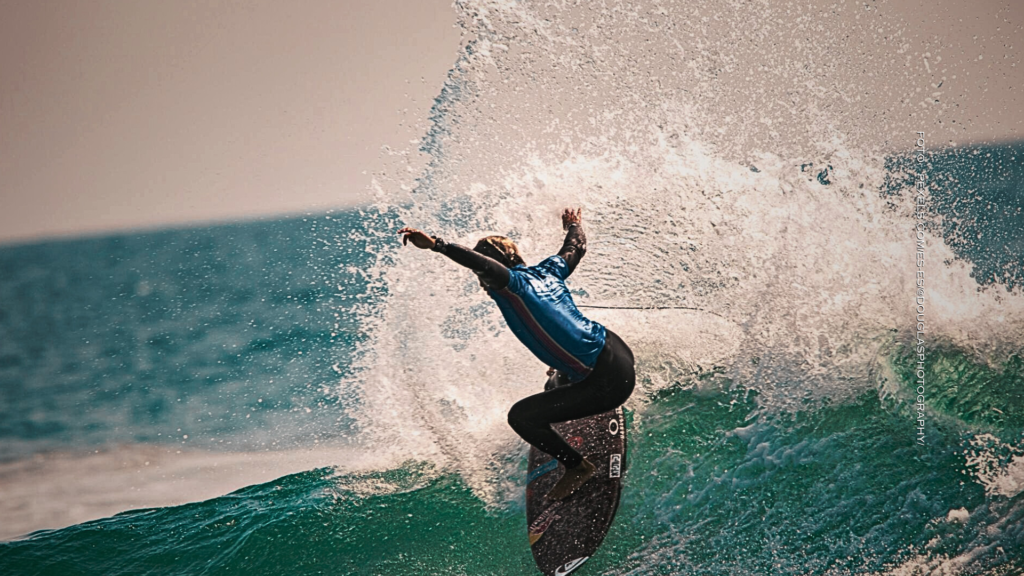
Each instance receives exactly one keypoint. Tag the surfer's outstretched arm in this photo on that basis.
(491, 272)
(575, 244)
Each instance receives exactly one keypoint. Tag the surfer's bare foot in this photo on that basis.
(572, 480)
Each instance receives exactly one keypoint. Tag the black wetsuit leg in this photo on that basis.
(607, 387)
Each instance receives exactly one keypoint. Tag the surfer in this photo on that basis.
(596, 364)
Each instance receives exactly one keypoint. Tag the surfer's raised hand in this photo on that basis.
(419, 239)
(570, 216)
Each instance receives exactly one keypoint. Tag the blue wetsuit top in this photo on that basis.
(537, 305)
(541, 313)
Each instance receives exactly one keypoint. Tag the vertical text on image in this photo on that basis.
(920, 197)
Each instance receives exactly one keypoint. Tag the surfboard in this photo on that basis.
(563, 534)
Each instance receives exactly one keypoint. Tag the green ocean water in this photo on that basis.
(714, 486)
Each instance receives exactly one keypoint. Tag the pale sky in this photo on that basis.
(129, 114)
(121, 114)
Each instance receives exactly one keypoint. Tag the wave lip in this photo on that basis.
(58, 489)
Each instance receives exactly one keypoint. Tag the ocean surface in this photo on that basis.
(304, 396)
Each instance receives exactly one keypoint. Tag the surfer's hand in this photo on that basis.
(570, 216)
(419, 239)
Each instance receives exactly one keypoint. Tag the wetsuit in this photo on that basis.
(594, 365)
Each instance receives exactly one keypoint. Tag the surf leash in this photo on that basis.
(650, 308)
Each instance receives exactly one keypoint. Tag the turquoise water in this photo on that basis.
(714, 487)
(303, 396)
(131, 338)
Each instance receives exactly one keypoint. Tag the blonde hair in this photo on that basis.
(501, 249)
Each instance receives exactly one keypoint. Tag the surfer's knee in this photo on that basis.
(513, 416)
(518, 417)
(629, 385)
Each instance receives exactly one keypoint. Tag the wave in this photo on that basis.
(54, 489)
(717, 484)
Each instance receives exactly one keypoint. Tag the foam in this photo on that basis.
(996, 465)
(804, 285)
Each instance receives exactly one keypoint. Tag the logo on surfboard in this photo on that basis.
(570, 566)
(543, 522)
(613, 426)
(615, 466)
